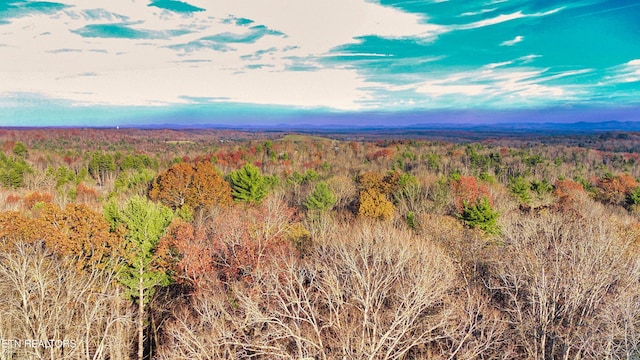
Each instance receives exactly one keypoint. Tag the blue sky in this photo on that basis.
(113, 62)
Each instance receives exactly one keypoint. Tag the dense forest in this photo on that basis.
(203, 244)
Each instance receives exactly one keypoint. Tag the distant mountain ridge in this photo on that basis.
(581, 126)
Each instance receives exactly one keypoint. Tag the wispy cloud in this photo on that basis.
(504, 18)
(513, 41)
(628, 72)
(479, 12)
(495, 87)
(176, 6)
(125, 31)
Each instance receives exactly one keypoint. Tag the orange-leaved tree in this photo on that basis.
(84, 234)
(195, 185)
(615, 189)
(567, 191)
(16, 228)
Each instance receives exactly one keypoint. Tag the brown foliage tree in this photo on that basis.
(195, 185)
(15, 228)
(85, 234)
(614, 189)
(36, 197)
(566, 191)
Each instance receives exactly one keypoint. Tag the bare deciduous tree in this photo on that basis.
(46, 298)
(569, 287)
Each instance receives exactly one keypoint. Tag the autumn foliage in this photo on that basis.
(332, 249)
(75, 231)
(566, 191)
(467, 191)
(375, 191)
(33, 198)
(614, 189)
(84, 234)
(233, 246)
(195, 185)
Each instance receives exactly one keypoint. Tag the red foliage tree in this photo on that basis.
(467, 190)
(230, 246)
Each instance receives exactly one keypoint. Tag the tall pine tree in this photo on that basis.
(146, 223)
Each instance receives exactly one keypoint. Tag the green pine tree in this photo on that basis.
(146, 222)
(248, 185)
(20, 150)
(321, 198)
(481, 215)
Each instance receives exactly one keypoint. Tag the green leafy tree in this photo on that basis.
(140, 273)
(321, 198)
(481, 215)
(248, 185)
(102, 166)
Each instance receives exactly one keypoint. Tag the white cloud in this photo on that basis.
(496, 86)
(626, 73)
(512, 42)
(149, 72)
(503, 18)
(479, 12)
(498, 64)
(528, 58)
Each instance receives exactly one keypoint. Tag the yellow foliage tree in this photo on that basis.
(374, 204)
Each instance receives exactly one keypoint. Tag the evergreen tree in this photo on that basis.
(248, 185)
(146, 223)
(520, 188)
(20, 150)
(481, 215)
(321, 198)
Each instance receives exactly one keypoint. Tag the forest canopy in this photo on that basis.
(195, 245)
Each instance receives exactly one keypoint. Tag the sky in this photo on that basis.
(136, 62)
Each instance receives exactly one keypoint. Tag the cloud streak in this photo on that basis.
(512, 42)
